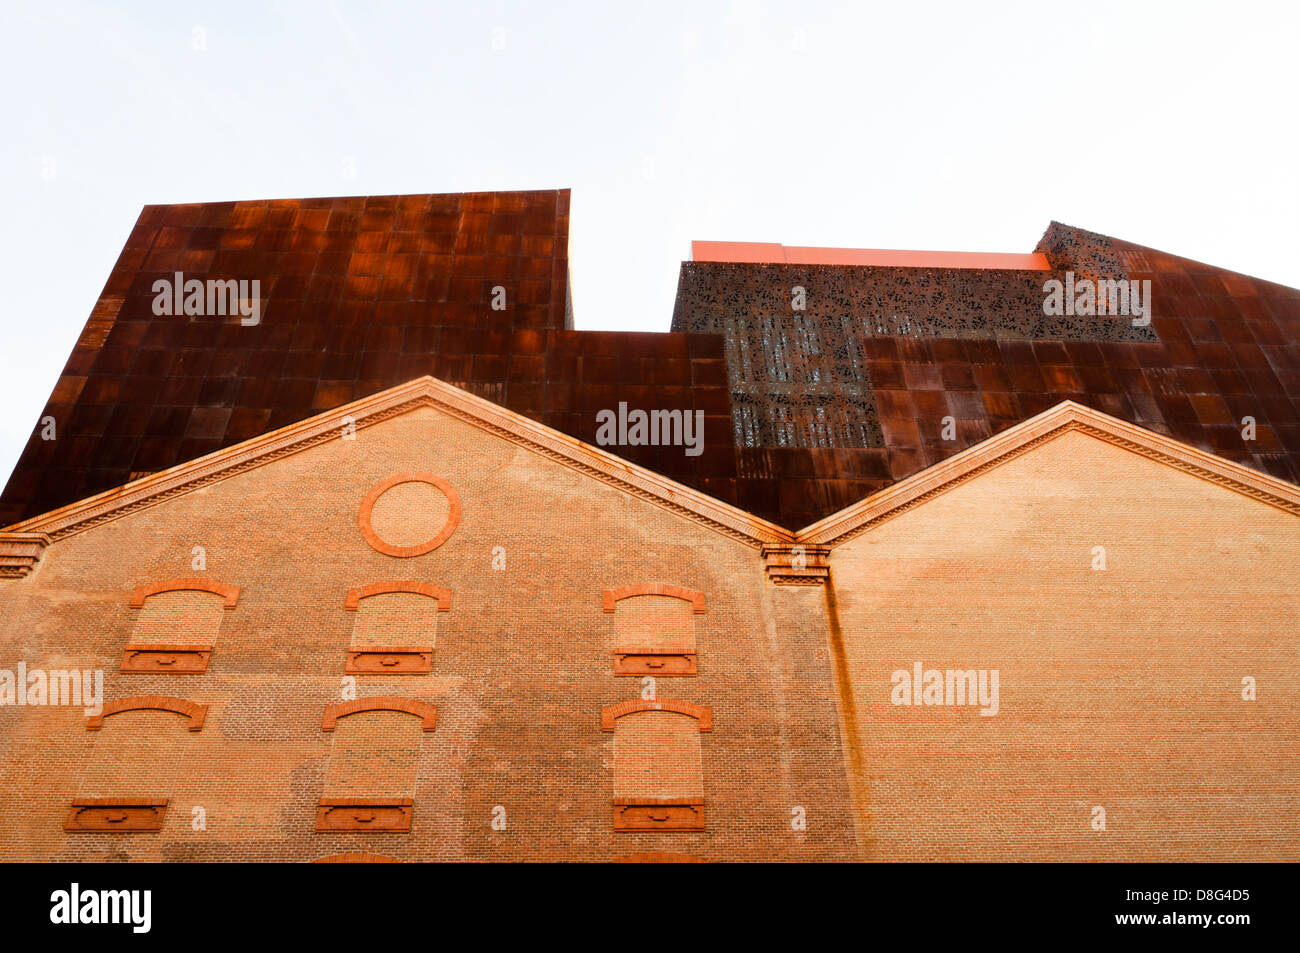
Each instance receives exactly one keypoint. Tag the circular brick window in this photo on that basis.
(409, 514)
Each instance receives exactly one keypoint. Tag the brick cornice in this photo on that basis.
(20, 552)
(357, 593)
(611, 713)
(796, 564)
(186, 584)
(612, 596)
(421, 392)
(427, 713)
(195, 712)
(1065, 417)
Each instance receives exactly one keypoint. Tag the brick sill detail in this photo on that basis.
(390, 660)
(167, 659)
(660, 857)
(655, 663)
(359, 857)
(378, 815)
(658, 814)
(107, 815)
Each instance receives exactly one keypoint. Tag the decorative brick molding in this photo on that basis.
(378, 815)
(166, 658)
(20, 552)
(1065, 417)
(359, 857)
(660, 857)
(612, 596)
(669, 648)
(192, 710)
(611, 713)
(796, 564)
(639, 481)
(419, 549)
(390, 660)
(110, 815)
(357, 593)
(655, 663)
(227, 592)
(422, 710)
(658, 814)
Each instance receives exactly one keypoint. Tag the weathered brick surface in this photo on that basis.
(185, 616)
(520, 674)
(1118, 688)
(396, 618)
(657, 755)
(654, 624)
(374, 754)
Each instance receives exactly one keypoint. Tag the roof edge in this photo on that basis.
(839, 528)
(776, 253)
(422, 391)
(833, 530)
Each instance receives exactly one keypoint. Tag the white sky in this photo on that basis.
(955, 127)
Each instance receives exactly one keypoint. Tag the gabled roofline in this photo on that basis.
(423, 391)
(839, 528)
(722, 517)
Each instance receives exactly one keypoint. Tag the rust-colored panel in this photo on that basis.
(805, 411)
(340, 280)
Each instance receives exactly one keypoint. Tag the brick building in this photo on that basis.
(361, 584)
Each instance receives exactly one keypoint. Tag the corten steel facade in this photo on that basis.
(847, 396)
(374, 594)
(805, 412)
(360, 294)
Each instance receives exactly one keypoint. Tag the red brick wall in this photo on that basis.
(179, 617)
(1118, 688)
(657, 755)
(654, 623)
(520, 673)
